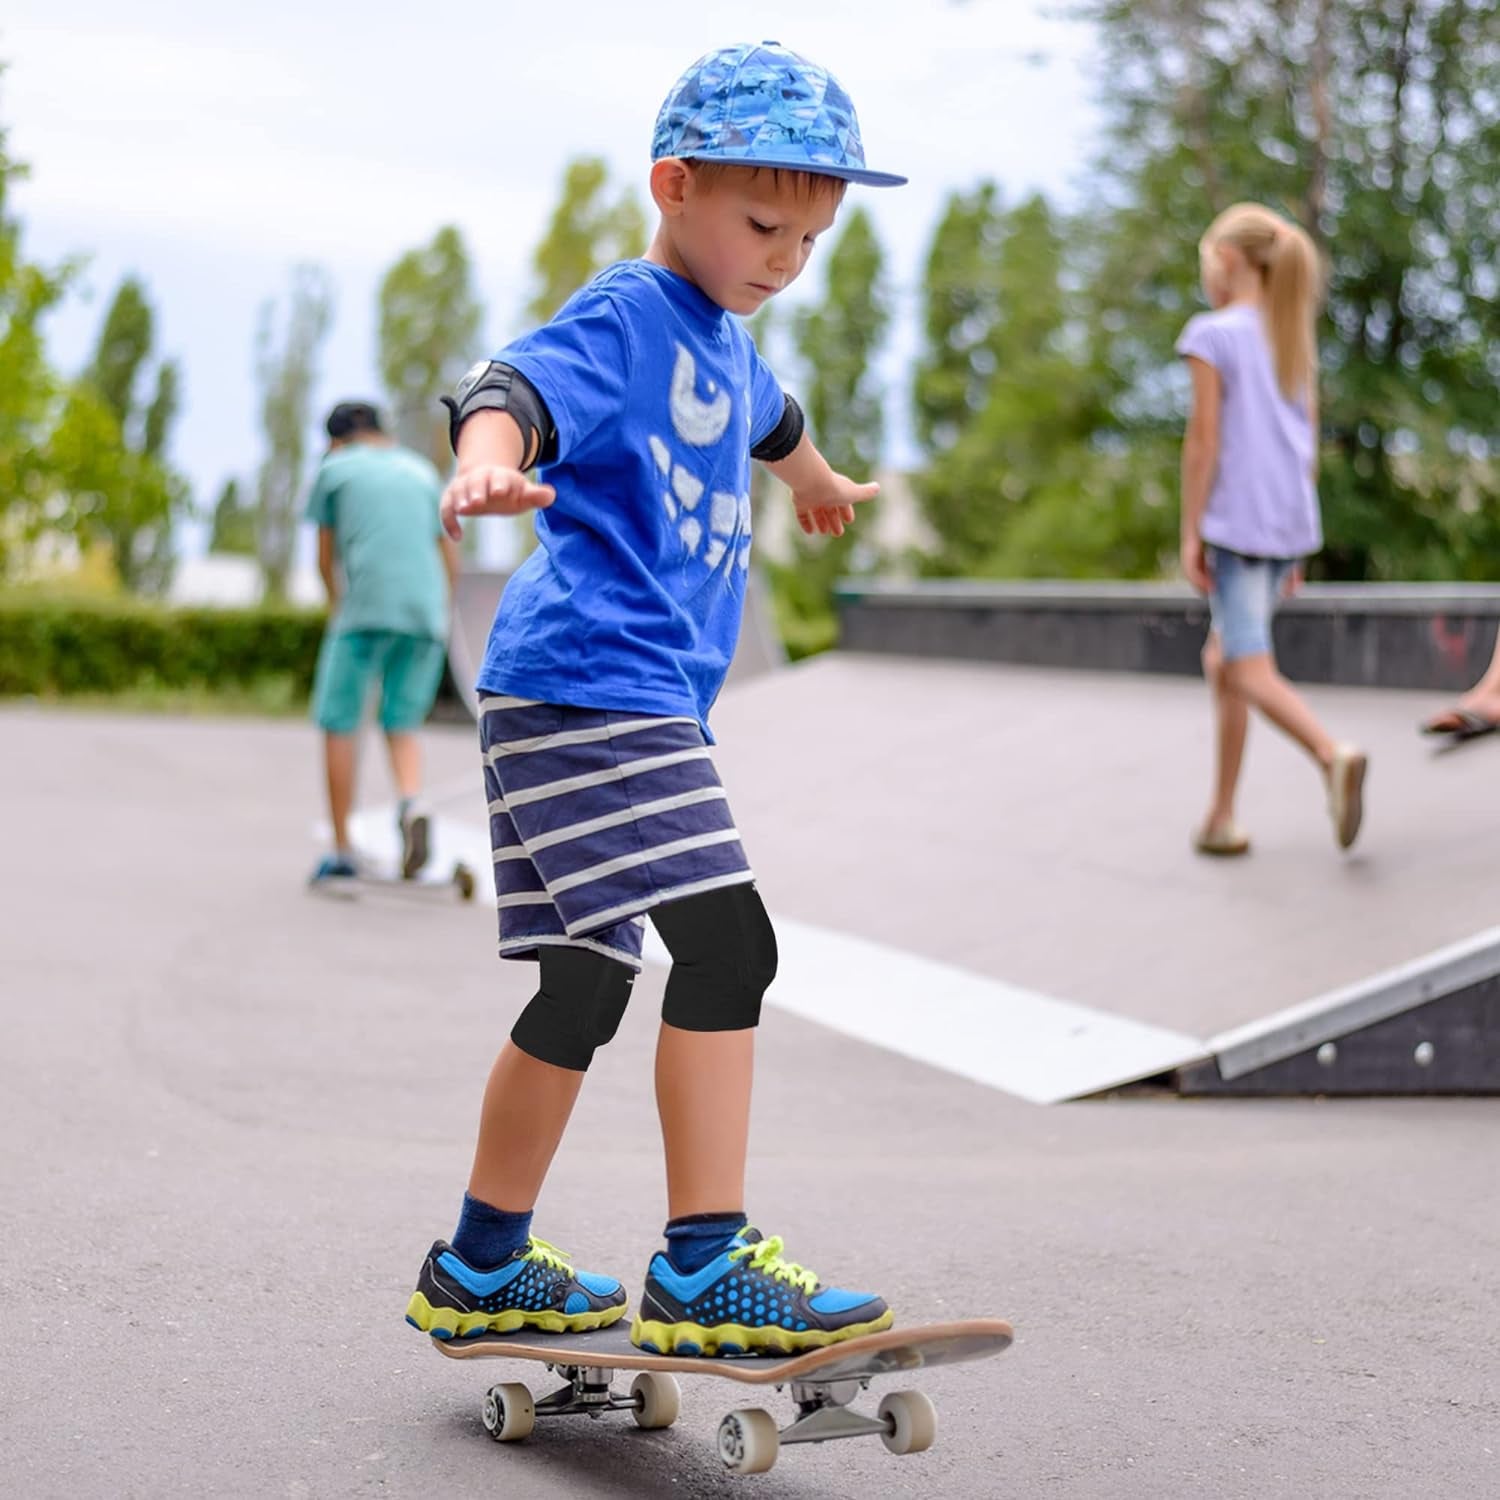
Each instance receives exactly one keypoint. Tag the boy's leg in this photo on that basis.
(723, 960)
(339, 691)
(339, 764)
(495, 1276)
(405, 750)
(527, 1105)
(411, 673)
(721, 1287)
(703, 1081)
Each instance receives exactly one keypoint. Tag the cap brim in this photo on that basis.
(862, 175)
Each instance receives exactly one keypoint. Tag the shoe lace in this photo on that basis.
(546, 1254)
(765, 1255)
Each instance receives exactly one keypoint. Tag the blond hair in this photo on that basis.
(1292, 274)
(808, 186)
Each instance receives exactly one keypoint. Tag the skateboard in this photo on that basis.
(822, 1383)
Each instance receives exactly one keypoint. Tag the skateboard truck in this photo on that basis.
(823, 1385)
(749, 1438)
(510, 1413)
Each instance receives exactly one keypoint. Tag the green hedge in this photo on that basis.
(52, 648)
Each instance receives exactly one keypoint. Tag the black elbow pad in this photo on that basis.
(492, 386)
(783, 437)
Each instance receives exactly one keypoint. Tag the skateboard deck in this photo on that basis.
(822, 1383)
(456, 881)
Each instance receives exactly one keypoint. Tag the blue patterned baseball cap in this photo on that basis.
(763, 105)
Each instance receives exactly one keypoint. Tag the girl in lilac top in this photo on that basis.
(1249, 496)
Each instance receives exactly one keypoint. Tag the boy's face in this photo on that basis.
(744, 237)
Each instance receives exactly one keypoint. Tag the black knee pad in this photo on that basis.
(723, 951)
(578, 1008)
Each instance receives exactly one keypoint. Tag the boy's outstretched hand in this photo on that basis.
(826, 509)
(491, 490)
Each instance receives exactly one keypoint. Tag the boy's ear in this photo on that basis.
(671, 182)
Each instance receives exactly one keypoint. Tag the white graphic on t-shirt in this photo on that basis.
(701, 424)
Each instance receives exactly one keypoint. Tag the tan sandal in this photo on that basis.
(1346, 785)
(1227, 840)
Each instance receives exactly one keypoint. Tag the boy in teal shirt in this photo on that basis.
(388, 570)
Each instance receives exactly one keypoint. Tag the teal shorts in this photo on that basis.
(407, 669)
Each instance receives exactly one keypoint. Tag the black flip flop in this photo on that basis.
(1470, 725)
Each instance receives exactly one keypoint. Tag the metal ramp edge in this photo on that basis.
(1431, 1025)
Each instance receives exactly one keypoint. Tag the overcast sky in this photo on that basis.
(210, 148)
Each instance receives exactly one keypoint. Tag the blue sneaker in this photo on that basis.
(749, 1301)
(332, 869)
(535, 1287)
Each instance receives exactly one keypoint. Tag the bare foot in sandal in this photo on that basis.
(1222, 839)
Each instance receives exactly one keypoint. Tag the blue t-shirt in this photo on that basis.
(633, 599)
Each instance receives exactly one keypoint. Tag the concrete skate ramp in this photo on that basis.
(477, 596)
(1030, 830)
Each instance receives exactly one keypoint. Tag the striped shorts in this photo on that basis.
(596, 816)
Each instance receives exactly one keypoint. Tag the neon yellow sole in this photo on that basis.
(669, 1337)
(444, 1322)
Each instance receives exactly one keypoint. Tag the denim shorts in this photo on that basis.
(1245, 596)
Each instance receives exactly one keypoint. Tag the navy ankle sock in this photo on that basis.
(694, 1241)
(485, 1236)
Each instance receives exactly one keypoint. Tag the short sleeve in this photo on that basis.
(320, 500)
(767, 399)
(580, 365)
(1201, 340)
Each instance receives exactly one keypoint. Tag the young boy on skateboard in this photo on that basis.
(643, 402)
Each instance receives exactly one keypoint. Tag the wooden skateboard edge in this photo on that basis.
(748, 1370)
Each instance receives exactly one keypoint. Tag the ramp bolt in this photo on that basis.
(1328, 1054)
(1423, 1055)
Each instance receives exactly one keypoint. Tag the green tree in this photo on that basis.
(233, 529)
(29, 388)
(429, 324)
(837, 340)
(1020, 459)
(589, 229)
(136, 509)
(1377, 125)
(286, 372)
(960, 307)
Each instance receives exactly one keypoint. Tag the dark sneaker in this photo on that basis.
(749, 1301)
(535, 1288)
(333, 870)
(416, 844)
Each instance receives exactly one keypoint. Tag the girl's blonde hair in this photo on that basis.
(1288, 263)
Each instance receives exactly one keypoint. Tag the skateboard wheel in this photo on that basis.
(463, 878)
(910, 1422)
(509, 1413)
(658, 1399)
(748, 1441)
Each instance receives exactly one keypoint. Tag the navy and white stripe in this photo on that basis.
(596, 816)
